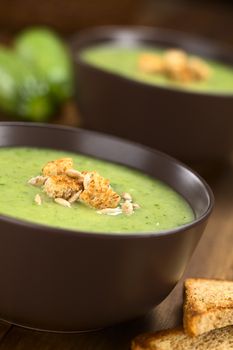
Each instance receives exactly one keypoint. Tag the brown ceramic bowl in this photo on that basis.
(196, 127)
(62, 280)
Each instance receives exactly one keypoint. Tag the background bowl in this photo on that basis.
(63, 280)
(196, 127)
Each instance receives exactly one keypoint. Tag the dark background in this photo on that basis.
(213, 19)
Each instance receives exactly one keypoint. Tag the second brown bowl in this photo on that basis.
(193, 126)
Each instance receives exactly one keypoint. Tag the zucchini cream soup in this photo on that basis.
(170, 68)
(77, 192)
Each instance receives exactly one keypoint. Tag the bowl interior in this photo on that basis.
(141, 36)
(151, 162)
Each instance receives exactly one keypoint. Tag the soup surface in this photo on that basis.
(161, 207)
(124, 61)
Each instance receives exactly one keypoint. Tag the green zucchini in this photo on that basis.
(43, 49)
(23, 92)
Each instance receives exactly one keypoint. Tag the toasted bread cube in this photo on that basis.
(61, 186)
(150, 63)
(57, 167)
(97, 192)
(200, 70)
(176, 65)
(175, 59)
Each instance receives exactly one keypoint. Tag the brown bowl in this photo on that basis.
(63, 280)
(193, 126)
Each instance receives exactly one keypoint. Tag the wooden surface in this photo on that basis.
(212, 258)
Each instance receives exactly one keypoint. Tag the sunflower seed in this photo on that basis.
(37, 181)
(75, 197)
(127, 208)
(86, 181)
(62, 202)
(126, 196)
(38, 199)
(75, 174)
(110, 211)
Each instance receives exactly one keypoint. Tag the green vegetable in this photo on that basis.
(43, 49)
(22, 91)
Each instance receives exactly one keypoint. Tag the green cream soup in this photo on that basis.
(161, 207)
(124, 61)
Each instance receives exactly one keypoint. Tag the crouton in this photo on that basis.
(97, 192)
(150, 63)
(57, 167)
(200, 70)
(61, 186)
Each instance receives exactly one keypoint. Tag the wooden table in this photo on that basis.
(212, 258)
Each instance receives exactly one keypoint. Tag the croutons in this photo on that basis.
(150, 63)
(98, 193)
(175, 59)
(57, 167)
(67, 185)
(176, 65)
(199, 68)
(61, 186)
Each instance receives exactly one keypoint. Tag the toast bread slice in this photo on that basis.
(208, 304)
(177, 339)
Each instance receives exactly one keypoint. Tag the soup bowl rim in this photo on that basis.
(94, 34)
(108, 235)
